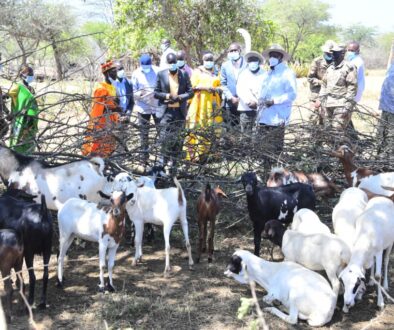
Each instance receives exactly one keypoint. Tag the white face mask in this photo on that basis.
(120, 74)
(273, 61)
(163, 47)
(253, 66)
(29, 79)
(233, 56)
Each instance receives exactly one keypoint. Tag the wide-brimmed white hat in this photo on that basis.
(276, 48)
(254, 54)
(328, 46)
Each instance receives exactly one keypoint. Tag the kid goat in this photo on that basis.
(96, 223)
(208, 207)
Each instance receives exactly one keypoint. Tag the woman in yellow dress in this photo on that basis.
(204, 110)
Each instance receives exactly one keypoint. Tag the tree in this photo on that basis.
(296, 21)
(365, 35)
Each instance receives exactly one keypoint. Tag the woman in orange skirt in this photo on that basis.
(104, 116)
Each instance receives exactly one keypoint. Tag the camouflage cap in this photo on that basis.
(328, 46)
(339, 48)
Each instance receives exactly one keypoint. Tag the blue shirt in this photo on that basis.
(359, 64)
(143, 86)
(386, 102)
(125, 94)
(229, 75)
(280, 86)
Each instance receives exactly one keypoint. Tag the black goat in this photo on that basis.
(278, 203)
(33, 223)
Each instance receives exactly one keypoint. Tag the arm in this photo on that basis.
(159, 94)
(312, 75)
(351, 82)
(223, 81)
(189, 90)
(130, 106)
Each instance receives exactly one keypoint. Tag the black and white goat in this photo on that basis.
(280, 203)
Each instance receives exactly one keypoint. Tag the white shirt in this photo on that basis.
(163, 58)
(279, 85)
(359, 63)
(143, 89)
(249, 86)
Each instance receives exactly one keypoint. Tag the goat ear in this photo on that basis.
(129, 196)
(270, 232)
(102, 195)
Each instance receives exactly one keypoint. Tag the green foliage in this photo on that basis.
(100, 29)
(365, 35)
(300, 70)
(243, 310)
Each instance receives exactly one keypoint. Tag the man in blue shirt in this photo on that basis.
(229, 75)
(124, 91)
(279, 90)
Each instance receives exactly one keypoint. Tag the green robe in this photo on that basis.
(25, 123)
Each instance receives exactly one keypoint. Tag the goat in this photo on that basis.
(95, 223)
(353, 173)
(351, 204)
(83, 179)
(33, 222)
(306, 221)
(303, 293)
(278, 203)
(321, 184)
(374, 235)
(314, 251)
(159, 207)
(208, 207)
(11, 256)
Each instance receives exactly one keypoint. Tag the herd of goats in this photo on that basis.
(92, 205)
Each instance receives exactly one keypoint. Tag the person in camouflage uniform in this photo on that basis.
(316, 73)
(336, 97)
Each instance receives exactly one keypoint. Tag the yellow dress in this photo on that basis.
(204, 111)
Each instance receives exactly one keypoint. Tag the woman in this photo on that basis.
(104, 116)
(204, 110)
(24, 111)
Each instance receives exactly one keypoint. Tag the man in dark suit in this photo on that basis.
(173, 89)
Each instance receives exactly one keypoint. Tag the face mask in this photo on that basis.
(328, 58)
(233, 56)
(273, 61)
(208, 64)
(163, 47)
(173, 67)
(112, 81)
(338, 57)
(120, 74)
(180, 63)
(350, 55)
(146, 68)
(29, 79)
(253, 66)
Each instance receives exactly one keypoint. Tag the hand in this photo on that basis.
(317, 104)
(174, 98)
(234, 100)
(252, 105)
(269, 103)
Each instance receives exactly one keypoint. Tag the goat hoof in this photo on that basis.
(59, 284)
(42, 306)
(109, 288)
(101, 289)
(191, 267)
(209, 260)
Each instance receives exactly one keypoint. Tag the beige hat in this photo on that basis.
(328, 46)
(254, 54)
(276, 48)
(339, 48)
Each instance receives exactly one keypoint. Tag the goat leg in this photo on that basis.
(210, 239)
(6, 271)
(111, 263)
(46, 257)
(257, 241)
(32, 277)
(201, 225)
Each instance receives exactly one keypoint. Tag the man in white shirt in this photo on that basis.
(248, 90)
(353, 56)
(166, 49)
(279, 90)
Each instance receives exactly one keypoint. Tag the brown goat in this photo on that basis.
(11, 256)
(208, 206)
(353, 173)
(321, 184)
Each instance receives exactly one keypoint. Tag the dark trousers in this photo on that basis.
(144, 125)
(231, 114)
(247, 121)
(171, 127)
(273, 137)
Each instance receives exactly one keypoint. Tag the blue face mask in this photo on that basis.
(273, 61)
(350, 56)
(253, 66)
(233, 56)
(29, 79)
(328, 58)
(146, 68)
(180, 63)
(208, 64)
(173, 67)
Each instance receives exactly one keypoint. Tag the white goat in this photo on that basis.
(96, 223)
(160, 207)
(376, 183)
(351, 204)
(306, 221)
(374, 234)
(303, 293)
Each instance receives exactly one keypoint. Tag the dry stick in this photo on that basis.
(31, 316)
(383, 290)
(252, 285)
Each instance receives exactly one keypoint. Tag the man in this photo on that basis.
(386, 126)
(316, 73)
(104, 116)
(173, 89)
(181, 62)
(229, 75)
(166, 49)
(339, 89)
(144, 81)
(353, 56)
(124, 91)
(248, 90)
(278, 92)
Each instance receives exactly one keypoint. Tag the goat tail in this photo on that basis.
(180, 191)
(208, 191)
(44, 208)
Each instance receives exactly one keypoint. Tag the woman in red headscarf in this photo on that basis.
(104, 116)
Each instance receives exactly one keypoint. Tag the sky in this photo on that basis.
(377, 13)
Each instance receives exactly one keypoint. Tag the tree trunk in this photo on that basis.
(56, 54)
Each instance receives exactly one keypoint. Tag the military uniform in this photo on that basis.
(315, 76)
(339, 88)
